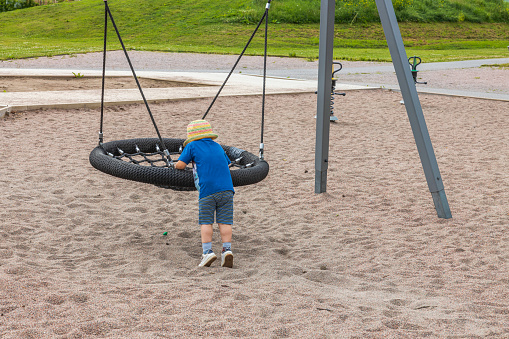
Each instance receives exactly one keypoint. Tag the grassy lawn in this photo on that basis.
(77, 27)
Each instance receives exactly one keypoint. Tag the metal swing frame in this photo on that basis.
(408, 90)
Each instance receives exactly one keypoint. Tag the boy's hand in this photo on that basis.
(180, 165)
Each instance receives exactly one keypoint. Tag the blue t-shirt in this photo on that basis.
(211, 164)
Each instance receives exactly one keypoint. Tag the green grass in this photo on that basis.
(204, 26)
(497, 66)
(365, 11)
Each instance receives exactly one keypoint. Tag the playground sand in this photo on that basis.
(83, 254)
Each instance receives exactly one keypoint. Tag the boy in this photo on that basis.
(214, 183)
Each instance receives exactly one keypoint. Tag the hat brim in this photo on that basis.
(201, 136)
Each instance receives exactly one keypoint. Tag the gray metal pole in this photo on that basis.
(413, 107)
(325, 56)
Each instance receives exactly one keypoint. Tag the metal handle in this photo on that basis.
(414, 64)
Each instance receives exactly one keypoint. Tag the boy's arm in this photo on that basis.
(184, 159)
(180, 165)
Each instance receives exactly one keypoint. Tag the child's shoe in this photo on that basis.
(227, 258)
(207, 259)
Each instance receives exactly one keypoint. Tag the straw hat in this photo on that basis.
(199, 129)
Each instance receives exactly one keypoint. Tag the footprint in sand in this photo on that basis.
(186, 235)
(55, 299)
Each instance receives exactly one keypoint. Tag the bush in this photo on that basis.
(10, 5)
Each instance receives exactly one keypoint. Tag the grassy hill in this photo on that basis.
(224, 27)
(364, 11)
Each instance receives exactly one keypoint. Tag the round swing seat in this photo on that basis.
(143, 160)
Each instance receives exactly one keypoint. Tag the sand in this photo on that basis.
(83, 254)
(67, 83)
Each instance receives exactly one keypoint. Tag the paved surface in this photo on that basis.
(286, 75)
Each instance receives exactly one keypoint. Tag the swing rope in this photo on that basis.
(267, 7)
(265, 17)
(108, 13)
(101, 139)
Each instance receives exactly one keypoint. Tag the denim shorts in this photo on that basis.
(220, 204)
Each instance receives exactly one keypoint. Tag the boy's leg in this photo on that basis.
(207, 206)
(206, 233)
(224, 216)
(208, 256)
(226, 232)
(224, 212)
(206, 219)
(226, 237)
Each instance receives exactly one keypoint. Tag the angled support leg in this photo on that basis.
(326, 50)
(413, 107)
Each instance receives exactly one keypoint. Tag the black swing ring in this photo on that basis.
(107, 158)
